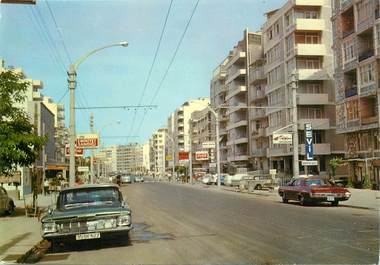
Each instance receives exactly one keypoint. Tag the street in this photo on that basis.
(177, 223)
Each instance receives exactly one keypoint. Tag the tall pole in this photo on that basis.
(72, 84)
(295, 125)
(190, 153)
(217, 147)
(92, 150)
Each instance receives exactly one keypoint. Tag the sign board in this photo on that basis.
(209, 144)
(309, 162)
(282, 138)
(212, 165)
(168, 157)
(308, 141)
(90, 140)
(183, 156)
(201, 155)
(78, 151)
(83, 169)
(272, 171)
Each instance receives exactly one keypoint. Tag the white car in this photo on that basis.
(233, 180)
(126, 179)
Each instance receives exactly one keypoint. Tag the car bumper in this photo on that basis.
(103, 233)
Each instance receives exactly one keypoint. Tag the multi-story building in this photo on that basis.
(296, 43)
(356, 45)
(60, 131)
(146, 157)
(157, 144)
(178, 125)
(202, 130)
(229, 94)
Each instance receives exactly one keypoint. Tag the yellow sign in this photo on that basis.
(168, 158)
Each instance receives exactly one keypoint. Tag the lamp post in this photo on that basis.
(72, 73)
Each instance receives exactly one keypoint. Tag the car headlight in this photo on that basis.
(124, 220)
(347, 194)
(49, 227)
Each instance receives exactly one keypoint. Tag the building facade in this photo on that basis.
(356, 45)
(178, 126)
(157, 143)
(203, 130)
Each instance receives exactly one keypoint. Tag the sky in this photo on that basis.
(44, 39)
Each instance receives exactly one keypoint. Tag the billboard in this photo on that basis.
(282, 138)
(89, 140)
(308, 141)
(182, 156)
(78, 151)
(201, 155)
(209, 144)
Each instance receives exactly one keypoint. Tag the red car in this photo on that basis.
(313, 189)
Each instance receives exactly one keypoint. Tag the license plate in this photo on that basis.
(87, 236)
(330, 198)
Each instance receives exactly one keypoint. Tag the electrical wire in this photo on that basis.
(170, 64)
(152, 64)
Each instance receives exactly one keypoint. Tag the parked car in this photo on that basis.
(313, 189)
(7, 205)
(139, 179)
(87, 212)
(126, 179)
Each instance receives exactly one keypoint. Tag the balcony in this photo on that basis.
(222, 132)
(237, 107)
(258, 94)
(60, 107)
(260, 132)
(237, 124)
(242, 140)
(369, 120)
(305, 24)
(312, 74)
(36, 95)
(353, 91)
(320, 124)
(347, 33)
(312, 99)
(258, 114)
(237, 56)
(308, 2)
(236, 74)
(257, 74)
(365, 55)
(318, 149)
(279, 151)
(241, 157)
(368, 90)
(235, 90)
(302, 49)
(260, 152)
(37, 84)
(345, 3)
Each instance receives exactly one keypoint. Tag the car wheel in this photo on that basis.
(284, 199)
(335, 203)
(302, 200)
(258, 187)
(10, 208)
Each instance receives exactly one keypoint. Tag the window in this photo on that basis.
(309, 63)
(366, 74)
(352, 110)
(349, 51)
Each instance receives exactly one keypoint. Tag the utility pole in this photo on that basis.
(72, 83)
(295, 125)
(190, 153)
(92, 150)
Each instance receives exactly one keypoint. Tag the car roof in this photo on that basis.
(89, 186)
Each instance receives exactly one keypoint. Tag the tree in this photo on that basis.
(334, 164)
(19, 145)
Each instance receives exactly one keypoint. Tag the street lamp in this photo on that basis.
(72, 84)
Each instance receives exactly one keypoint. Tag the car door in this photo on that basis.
(3, 198)
(288, 189)
(297, 189)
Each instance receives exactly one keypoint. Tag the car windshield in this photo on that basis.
(88, 197)
(316, 182)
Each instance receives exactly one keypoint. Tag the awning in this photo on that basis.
(57, 167)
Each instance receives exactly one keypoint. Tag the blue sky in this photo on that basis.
(116, 76)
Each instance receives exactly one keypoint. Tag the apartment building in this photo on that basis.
(230, 95)
(178, 125)
(158, 143)
(356, 45)
(202, 131)
(60, 131)
(297, 39)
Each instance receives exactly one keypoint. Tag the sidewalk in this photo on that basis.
(18, 232)
(360, 198)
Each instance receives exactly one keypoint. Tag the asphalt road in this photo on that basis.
(179, 224)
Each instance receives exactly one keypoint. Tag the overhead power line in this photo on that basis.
(170, 64)
(127, 107)
(153, 63)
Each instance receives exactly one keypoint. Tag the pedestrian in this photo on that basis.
(46, 186)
